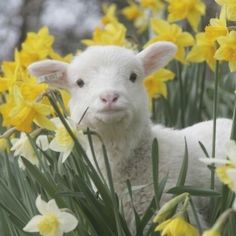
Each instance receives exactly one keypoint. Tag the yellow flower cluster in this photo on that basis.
(23, 104)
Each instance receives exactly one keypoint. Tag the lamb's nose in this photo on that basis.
(109, 98)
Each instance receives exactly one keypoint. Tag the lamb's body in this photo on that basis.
(108, 80)
(136, 163)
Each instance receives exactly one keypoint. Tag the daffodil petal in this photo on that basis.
(68, 221)
(32, 224)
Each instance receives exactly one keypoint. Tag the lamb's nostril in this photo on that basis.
(115, 98)
(109, 98)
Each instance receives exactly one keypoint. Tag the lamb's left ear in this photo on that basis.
(50, 71)
(156, 56)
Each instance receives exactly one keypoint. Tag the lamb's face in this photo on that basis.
(106, 82)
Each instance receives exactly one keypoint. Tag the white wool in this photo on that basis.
(127, 130)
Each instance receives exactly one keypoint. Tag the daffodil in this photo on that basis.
(177, 226)
(23, 148)
(167, 209)
(110, 14)
(135, 13)
(216, 28)
(203, 50)
(52, 220)
(171, 32)
(112, 34)
(228, 9)
(24, 113)
(192, 10)
(38, 45)
(155, 83)
(62, 141)
(152, 4)
(226, 168)
(132, 11)
(227, 49)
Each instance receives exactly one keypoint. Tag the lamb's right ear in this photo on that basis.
(50, 71)
(156, 56)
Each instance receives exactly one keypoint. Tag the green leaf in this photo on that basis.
(184, 167)
(194, 191)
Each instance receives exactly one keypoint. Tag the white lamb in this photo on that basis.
(108, 80)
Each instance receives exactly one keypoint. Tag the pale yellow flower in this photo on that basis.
(23, 148)
(226, 168)
(63, 142)
(228, 9)
(192, 10)
(52, 220)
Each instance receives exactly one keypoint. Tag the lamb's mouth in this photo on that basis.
(110, 116)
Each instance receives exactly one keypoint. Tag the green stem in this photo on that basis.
(216, 85)
(196, 215)
(181, 89)
(202, 92)
(233, 129)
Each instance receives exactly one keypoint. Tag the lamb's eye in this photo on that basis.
(80, 83)
(133, 77)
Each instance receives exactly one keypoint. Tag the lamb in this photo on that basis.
(108, 80)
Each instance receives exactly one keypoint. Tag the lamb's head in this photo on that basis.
(106, 82)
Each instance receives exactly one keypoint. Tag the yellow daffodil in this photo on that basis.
(177, 226)
(110, 14)
(192, 10)
(152, 4)
(216, 29)
(132, 11)
(155, 83)
(227, 49)
(203, 50)
(171, 32)
(135, 13)
(52, 220)
(228, 9)
(62, 141)
(23, 148)
(113, 34)
(211, 232)
(37, 46)
(24, 113)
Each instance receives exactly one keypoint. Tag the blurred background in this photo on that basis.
(68, 20)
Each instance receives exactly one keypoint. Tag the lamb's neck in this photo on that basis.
(123, 145)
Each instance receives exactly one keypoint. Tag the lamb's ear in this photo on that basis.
(156, 56)
(50, 71)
